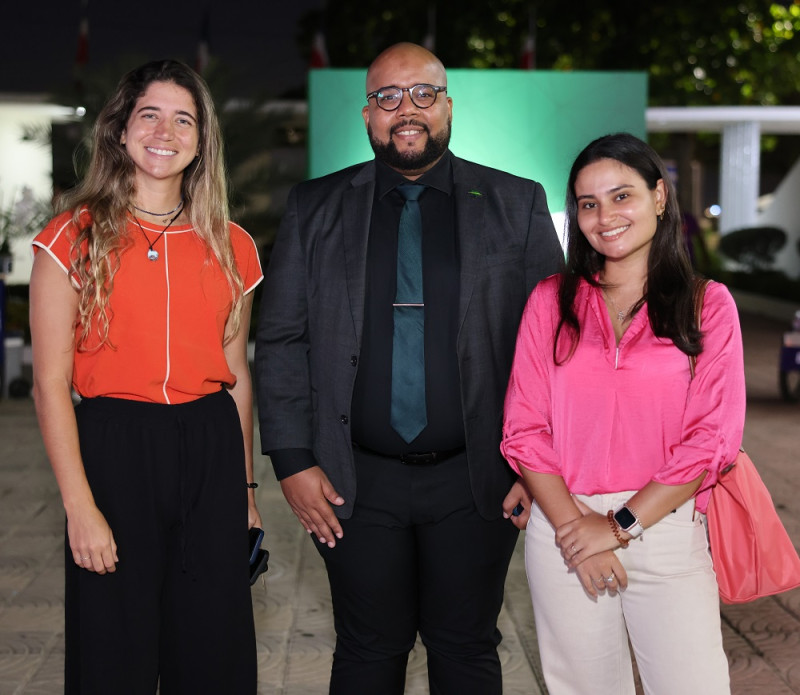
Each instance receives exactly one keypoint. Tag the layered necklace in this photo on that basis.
(152, 254)
(160, 214)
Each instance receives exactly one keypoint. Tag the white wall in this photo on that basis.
(24, 164)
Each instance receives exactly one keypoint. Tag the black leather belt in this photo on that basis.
(416, 458)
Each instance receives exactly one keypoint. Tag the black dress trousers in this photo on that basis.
(416, 556)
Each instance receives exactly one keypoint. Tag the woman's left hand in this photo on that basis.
(579, 539)
(602, 572)
(253, 517)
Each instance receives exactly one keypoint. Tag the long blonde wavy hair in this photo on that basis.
(109, 188)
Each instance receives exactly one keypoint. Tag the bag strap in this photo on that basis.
(699, 296)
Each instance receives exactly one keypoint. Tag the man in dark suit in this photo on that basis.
(411, 509)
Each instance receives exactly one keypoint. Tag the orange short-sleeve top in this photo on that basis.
(167, 317)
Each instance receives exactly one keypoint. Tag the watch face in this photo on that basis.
(625, 518)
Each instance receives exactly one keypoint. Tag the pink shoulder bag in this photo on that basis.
(752, 553)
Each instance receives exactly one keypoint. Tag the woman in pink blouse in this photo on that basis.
(618, 444)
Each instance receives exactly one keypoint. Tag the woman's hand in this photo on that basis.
(253, 516)
(602, 572)
(579, 539)
(518, 500)
(91, 541)
(54, 311)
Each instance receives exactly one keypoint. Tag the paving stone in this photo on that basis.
(292, 603)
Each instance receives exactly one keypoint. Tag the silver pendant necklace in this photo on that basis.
(152, 254)
(621, 315)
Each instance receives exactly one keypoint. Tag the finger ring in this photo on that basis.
(89, 557)
(610, 579)
(572, 548)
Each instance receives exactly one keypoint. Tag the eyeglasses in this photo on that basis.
(422, 96)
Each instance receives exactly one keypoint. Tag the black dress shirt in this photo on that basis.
(440, 277)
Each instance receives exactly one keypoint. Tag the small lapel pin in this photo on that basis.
(476, 194)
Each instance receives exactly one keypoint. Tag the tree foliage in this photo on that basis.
(695, 53)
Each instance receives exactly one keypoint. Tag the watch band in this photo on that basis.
(628, 521)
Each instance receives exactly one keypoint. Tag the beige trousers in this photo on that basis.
(669, 612)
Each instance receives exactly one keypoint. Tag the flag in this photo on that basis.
(430, 37)
(82, 54)
(527, 60)
(203, 45)
(319, 54)
(82, 51)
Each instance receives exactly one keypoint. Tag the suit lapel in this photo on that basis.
(470, 200)
(356, 215)
(470, 209)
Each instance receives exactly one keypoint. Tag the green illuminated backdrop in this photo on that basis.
(528, 122)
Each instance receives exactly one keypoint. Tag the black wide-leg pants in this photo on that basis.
(170, 480)
(416, 556)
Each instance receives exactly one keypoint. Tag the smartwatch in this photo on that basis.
(628, 521)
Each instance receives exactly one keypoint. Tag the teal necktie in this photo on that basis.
(408, 414)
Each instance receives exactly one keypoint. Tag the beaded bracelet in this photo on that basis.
(615, 528)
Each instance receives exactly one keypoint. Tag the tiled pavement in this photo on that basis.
(292, 604)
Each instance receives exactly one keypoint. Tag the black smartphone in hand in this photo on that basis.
(256, 536)
(259, 557)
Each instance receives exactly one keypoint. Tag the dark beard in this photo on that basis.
(388, 153)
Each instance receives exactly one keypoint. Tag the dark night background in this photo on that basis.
(255, 41)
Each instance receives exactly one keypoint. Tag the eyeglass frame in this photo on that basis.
(436, 90)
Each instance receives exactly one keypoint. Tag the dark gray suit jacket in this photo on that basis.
(312, 307)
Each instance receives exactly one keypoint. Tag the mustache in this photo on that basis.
(405, 124)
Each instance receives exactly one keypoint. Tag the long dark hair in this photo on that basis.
(669, 287)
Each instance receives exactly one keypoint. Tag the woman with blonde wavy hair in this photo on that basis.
(141, 294)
